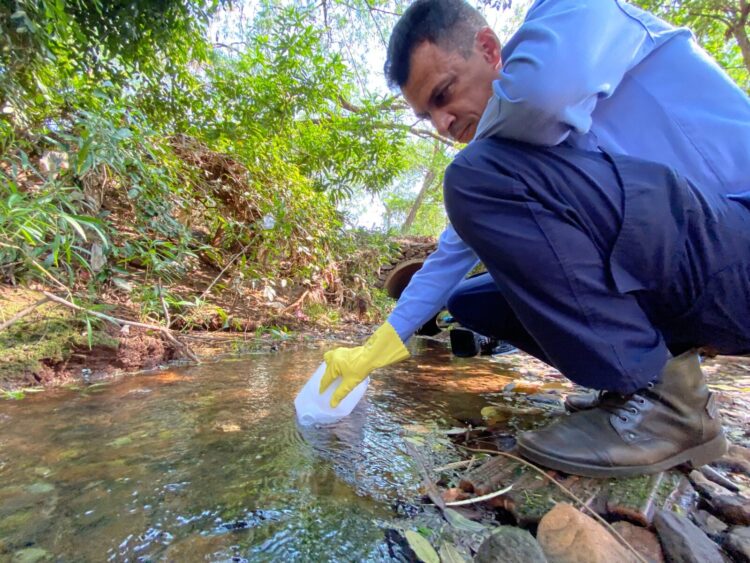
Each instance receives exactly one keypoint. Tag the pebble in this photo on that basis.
(509, 544)
(569, 536)
(683, 541)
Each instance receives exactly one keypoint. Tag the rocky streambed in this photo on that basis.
(682, 515)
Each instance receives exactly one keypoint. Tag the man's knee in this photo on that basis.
(474, 174)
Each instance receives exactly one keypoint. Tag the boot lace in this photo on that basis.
(623, 406)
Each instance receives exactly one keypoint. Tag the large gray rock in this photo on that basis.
(509, 544)
(683, 541)
(737, 543)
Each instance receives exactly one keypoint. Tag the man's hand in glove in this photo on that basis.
(353, 365)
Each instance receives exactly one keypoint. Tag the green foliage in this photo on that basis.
(42, 230)
(172, 151)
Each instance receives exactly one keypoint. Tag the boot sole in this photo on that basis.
(697, 456)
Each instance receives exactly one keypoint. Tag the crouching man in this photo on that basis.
(606, 188)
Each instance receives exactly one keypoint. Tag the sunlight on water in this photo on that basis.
(208, 463)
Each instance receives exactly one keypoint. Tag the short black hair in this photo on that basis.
(449, 24)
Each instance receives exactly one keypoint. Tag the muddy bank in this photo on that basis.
(52, 345)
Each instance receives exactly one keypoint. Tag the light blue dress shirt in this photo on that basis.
(601, 75)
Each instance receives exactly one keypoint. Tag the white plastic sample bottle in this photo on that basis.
(315, 408)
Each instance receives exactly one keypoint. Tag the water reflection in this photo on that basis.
(208, 463)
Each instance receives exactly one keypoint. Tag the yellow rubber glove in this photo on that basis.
(353, 365)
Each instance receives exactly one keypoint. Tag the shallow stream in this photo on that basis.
(207, 463)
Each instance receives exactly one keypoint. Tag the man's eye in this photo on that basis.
(442, 97)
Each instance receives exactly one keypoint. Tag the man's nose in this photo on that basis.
(442, 121)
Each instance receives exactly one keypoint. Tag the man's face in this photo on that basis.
(450, 90)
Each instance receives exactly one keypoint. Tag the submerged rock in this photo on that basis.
(569, 536)
(509, 544)
(30, 555)
(683, 541)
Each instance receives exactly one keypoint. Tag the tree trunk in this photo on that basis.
(739, 30)
(429, 179)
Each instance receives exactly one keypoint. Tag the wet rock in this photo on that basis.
(509, 544)
(569, 536)
(706, 488)
(709, 523)
(737, 543)
(683, 541)
(40, 488)
(732, 509)
(642, 539)
(712, 475)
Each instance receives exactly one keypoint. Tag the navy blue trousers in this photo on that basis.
(603, 266)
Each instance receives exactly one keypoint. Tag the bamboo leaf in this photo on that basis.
(421, 547)
(462, 523)
(449, 554)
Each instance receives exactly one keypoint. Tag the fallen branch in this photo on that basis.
(565, 490)
(120, 322)
(23, 313)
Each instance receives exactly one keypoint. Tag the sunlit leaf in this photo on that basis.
(421, 547)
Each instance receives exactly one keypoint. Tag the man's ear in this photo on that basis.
(488, 45)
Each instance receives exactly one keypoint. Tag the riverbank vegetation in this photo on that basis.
(193, 165)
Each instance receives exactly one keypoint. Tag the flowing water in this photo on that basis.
(207, 463)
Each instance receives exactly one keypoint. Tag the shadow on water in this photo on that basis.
(208, 463)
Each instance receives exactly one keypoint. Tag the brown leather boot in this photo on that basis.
(576, 402)
(668, 423)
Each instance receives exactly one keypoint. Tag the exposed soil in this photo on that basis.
(52, 345)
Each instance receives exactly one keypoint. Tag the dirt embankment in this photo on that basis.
(51, 344)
